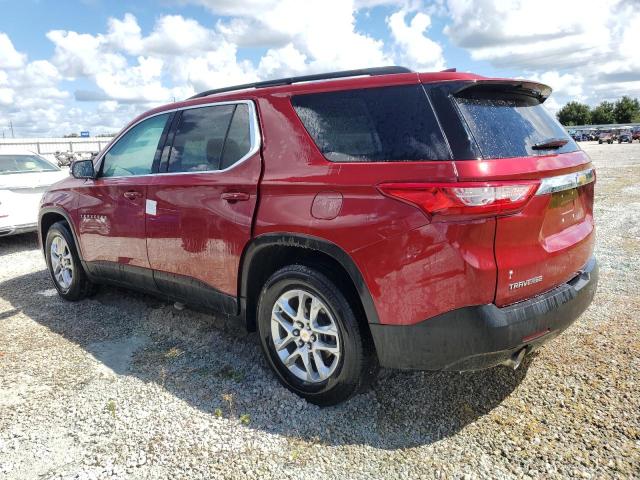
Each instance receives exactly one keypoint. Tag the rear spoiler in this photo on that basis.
(525, 87)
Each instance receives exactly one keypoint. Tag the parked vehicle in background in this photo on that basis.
(625, 136)
(434, 221)
(24, 176)
(64, 159)
(636, 134)
(607, 136)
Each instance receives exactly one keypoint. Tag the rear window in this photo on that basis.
(211, 138)
(390, 124)
(509, 125)
(24, 164)
(199, 139)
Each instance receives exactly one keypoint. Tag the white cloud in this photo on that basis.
(29, 93)
(417, 50)
(123, 70)
(174, 35)
(125, 34)
(323, 31)
(287, 60)
(216, 68)
(9, 57)
(584, 49)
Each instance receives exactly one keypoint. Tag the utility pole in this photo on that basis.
(11, 127)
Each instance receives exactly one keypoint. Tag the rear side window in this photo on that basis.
(511, 125)
(210, 138)
(390, 124)
(238, 141)
(199, 139)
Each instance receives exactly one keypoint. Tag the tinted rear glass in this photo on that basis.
(509, 125)
(387, 124)
(199, 139)
(238, 142)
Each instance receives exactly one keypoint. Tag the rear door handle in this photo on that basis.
(235, 196)
(132, 195)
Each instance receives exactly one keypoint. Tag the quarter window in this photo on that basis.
(389, 124)
(134, 152)
(238, 141)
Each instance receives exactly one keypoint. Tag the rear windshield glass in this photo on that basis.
(24, 164)
(387, 124)
(507, 125)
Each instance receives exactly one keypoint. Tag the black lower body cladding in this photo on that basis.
(483, 336)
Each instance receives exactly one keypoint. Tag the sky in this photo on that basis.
(73, 65)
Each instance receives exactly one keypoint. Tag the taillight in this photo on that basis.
(464, 199)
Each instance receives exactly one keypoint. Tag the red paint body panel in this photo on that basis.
(197, 233)
(110, 227)
(430, 270)
(405, 260)
(549, 237)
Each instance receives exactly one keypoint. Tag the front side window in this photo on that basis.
(134, 152)
(388, 124)
(24, 164)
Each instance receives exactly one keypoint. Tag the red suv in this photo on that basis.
(436, 221)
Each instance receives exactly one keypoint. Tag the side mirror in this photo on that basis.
(83, 169)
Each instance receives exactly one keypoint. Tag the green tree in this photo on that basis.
(574, 113)
(603, 113)
(627, 110)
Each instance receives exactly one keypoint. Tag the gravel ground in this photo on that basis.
(125, 386)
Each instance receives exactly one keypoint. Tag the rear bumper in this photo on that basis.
(483, 336)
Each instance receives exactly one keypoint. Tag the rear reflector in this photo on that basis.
(464, 199)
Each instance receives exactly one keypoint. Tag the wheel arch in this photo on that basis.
(269, 252)
(49, 216)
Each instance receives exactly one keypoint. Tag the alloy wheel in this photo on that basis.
(305, 335)
(61, 262)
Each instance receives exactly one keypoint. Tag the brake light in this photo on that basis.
(464, 199)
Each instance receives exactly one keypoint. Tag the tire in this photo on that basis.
(74, 286)
(346, 372)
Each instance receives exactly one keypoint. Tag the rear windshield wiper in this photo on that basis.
(552, 143)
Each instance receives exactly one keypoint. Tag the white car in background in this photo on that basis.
(24, 176)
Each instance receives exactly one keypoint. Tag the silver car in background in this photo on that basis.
(24, 176)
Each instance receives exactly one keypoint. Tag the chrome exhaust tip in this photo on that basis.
(516, 359)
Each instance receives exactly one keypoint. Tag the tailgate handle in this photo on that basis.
(235, 196)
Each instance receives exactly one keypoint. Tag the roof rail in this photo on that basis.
(308, 78)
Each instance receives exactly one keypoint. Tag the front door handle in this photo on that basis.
(132, 195)
(235, 196)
